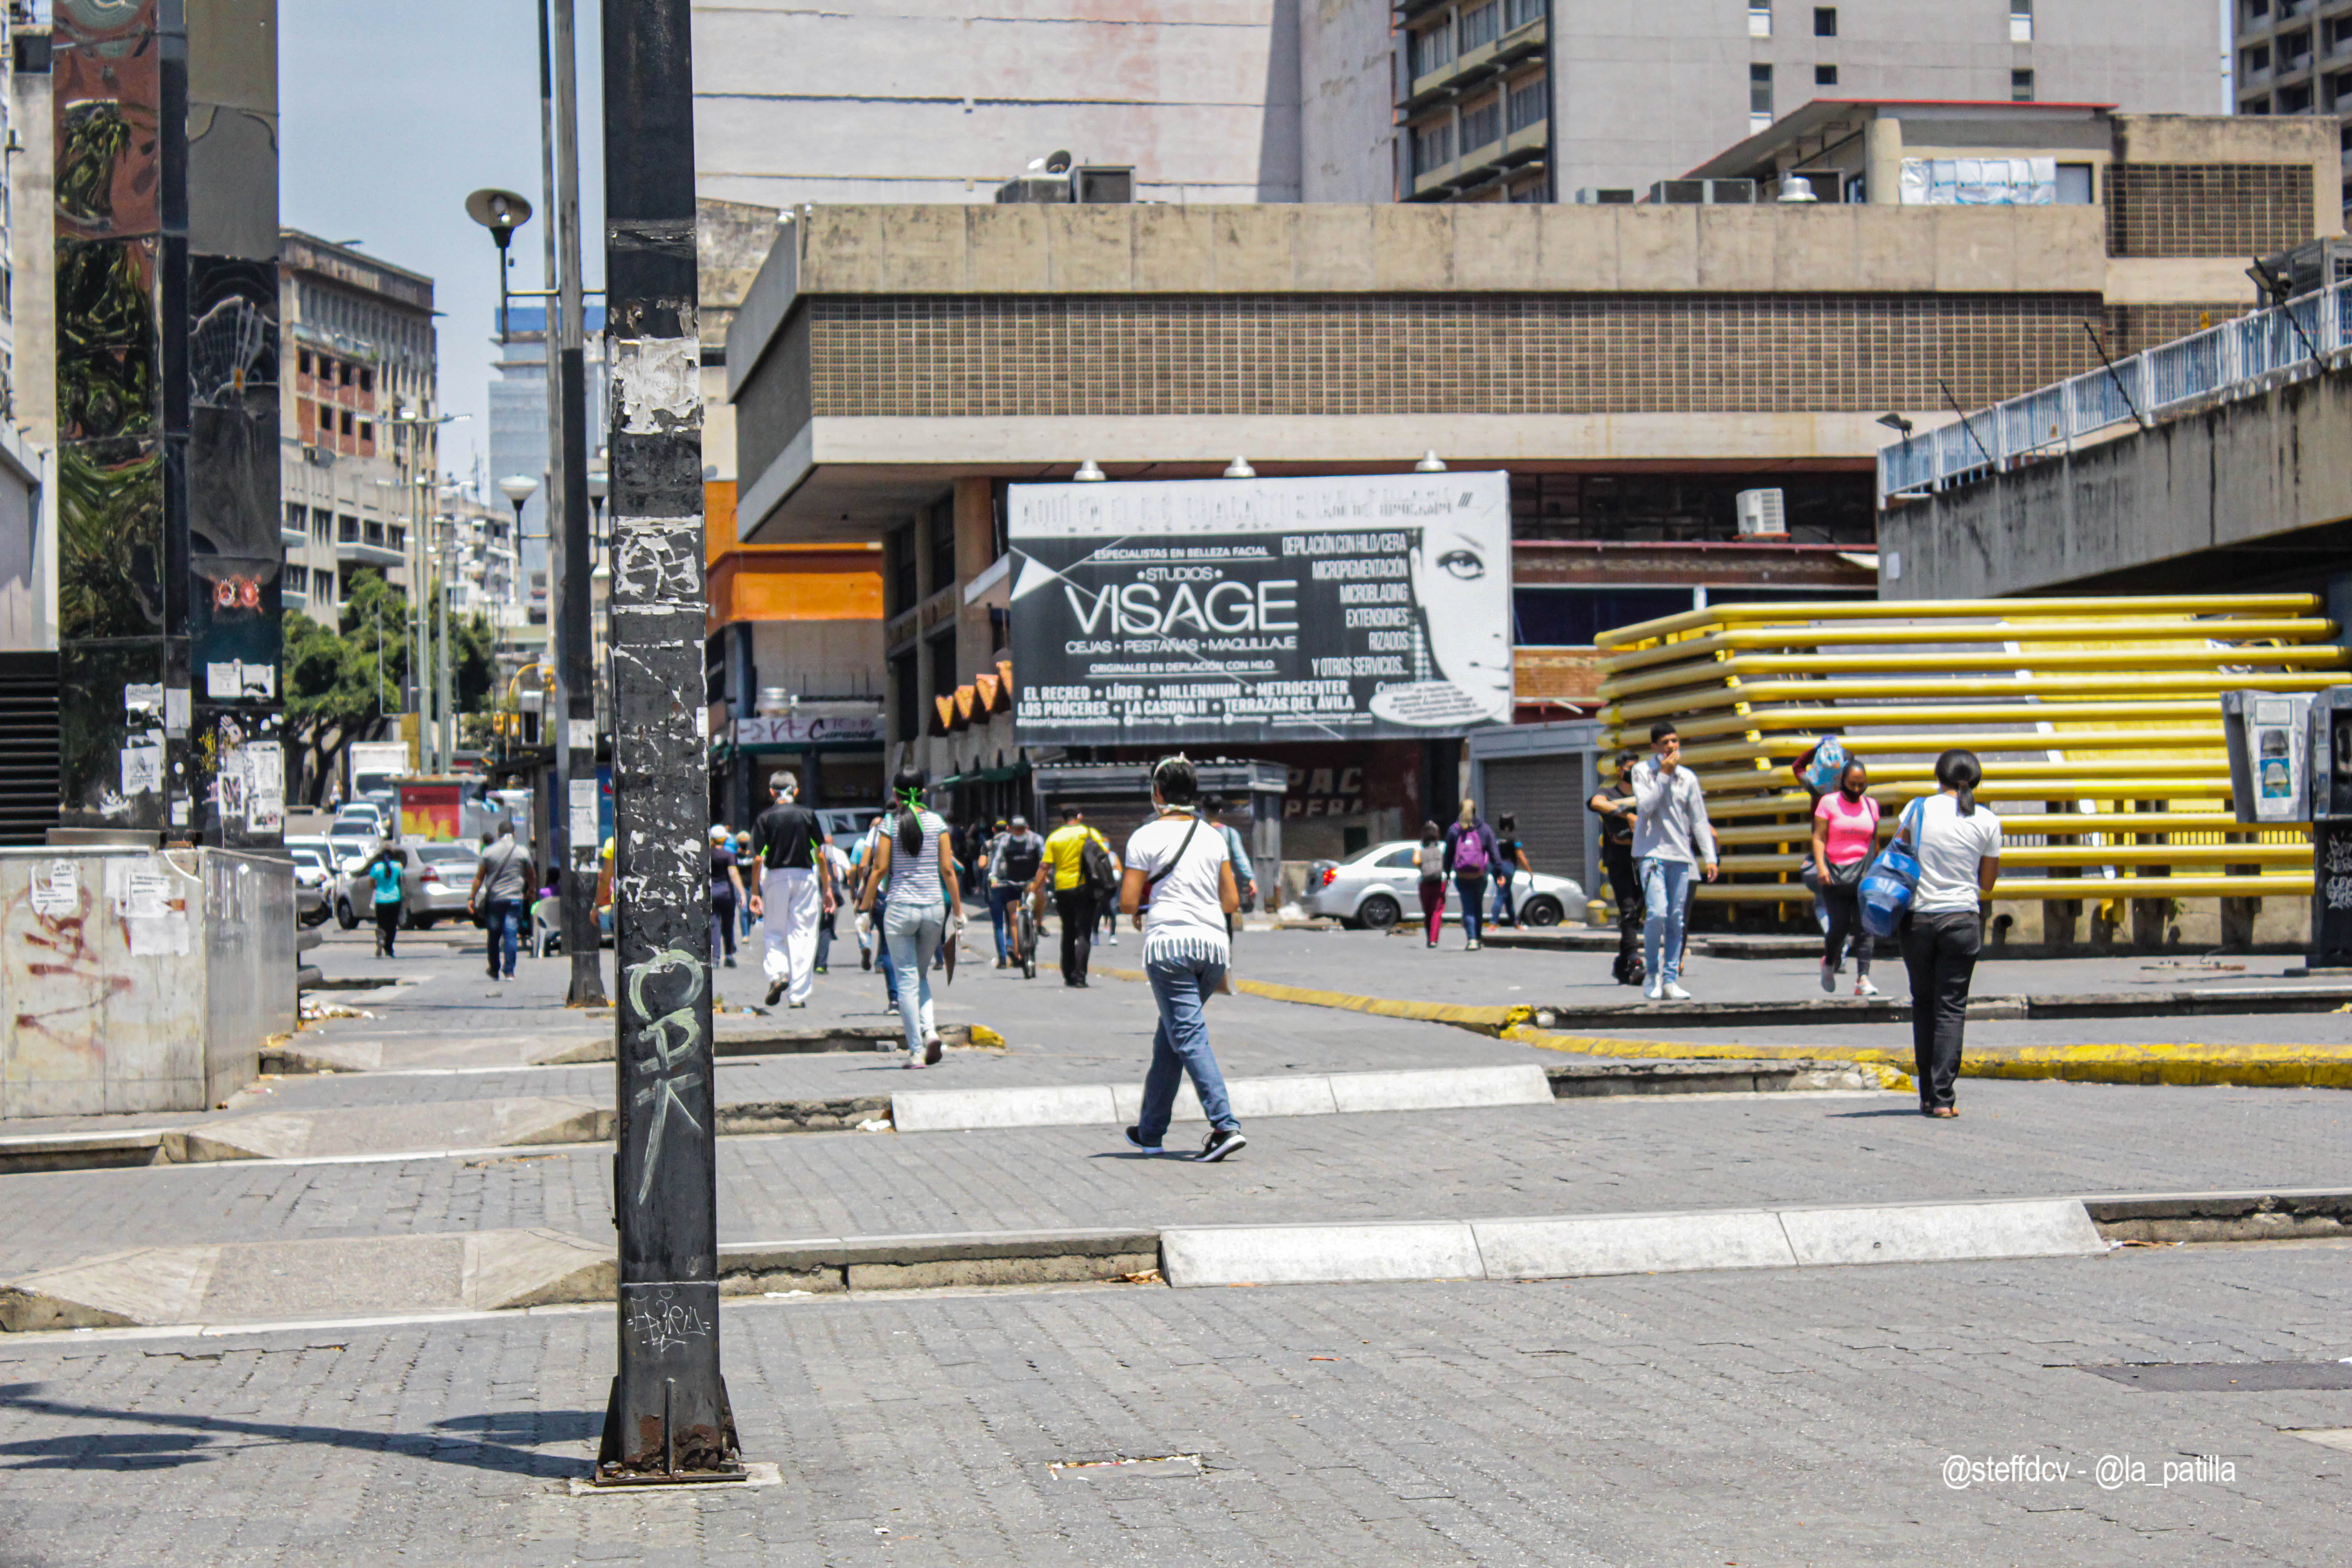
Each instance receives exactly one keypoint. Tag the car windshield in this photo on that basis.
(308, 857)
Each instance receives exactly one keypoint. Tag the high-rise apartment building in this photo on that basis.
(1538, 100)
(358, 431)
(2294, 56)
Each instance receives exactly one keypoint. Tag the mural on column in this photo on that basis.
(117, 610)
(170, 557)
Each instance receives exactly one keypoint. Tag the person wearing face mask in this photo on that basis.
(1845, 830)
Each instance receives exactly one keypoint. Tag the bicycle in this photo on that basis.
(1024, 940)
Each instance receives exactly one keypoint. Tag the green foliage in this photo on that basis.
(339, 688)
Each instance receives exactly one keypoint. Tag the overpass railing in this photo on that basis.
(2237, 359)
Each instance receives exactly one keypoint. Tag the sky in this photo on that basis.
(389, 116)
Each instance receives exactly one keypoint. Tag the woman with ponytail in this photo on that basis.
(1958, 843)
(914, 857)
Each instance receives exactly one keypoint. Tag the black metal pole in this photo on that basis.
(575, 680)
(668, 1416)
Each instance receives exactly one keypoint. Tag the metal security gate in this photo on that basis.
(1548, 795)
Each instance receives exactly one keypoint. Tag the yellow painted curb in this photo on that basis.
(2254, 1067)
(1484, 1020)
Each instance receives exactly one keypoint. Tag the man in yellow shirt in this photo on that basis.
(1074, 895)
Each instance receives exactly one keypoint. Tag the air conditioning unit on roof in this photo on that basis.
(1763, 514)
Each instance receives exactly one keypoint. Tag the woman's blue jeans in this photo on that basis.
(1183, 987)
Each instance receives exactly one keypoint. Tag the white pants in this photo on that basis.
(792, 902)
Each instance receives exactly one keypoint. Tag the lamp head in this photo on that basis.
(518, 488)
(501, 212)
(1896, 422)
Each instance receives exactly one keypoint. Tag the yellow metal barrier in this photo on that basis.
(2099, 723)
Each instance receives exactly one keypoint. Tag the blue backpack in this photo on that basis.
(1892, 879)
(1827, 762)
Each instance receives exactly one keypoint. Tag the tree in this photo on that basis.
(342, 684)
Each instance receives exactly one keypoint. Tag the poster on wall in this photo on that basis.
(1241, 611)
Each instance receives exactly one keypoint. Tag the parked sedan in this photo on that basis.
(438, 879)
(1380, 885)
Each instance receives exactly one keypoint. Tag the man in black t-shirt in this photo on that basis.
(1613, 803)
(796, 890)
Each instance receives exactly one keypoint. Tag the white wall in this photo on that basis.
(1347, 131)
(941, 101)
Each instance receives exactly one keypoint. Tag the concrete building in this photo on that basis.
(2294, 56)
(1634, 367)
(358, 420)
(941, 103)
(1515, 100)
(29, 390)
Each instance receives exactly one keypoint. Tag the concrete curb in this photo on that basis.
(770, 1040)
(514, 1269)
(1481, 1020)
(2246, 1066)
(549, 1124)
(2300, 999)
(1586, 1245)
(519, 1269)
(1105, 1104)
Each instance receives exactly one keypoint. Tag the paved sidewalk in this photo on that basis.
(1814, 1412)
(2014, 1140)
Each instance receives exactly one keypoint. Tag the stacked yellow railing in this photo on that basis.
(2099, 723)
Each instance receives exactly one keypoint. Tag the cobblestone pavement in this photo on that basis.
(1801, 1416)
(2015, 1138)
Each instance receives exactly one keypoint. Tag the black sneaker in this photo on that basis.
(865, 958)
(1222, 1141)
(1135, 1140)
(775, 993)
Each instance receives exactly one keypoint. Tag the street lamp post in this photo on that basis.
(668, 1418)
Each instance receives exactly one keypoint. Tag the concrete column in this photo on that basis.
(166, 211)
(1883, 142)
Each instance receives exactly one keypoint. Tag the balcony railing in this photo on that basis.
(2235, 360)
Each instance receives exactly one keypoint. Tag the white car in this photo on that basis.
(1380, 885)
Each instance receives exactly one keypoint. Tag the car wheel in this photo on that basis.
(1379, 912)
(424, 923)
(1544, 912)
(343, 916)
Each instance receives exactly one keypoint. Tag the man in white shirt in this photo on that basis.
(1672, 838)
(1178, 865)
(1957, 844)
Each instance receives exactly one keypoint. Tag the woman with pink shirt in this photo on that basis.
(1845, 830)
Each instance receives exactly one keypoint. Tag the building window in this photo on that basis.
(2255, 106)
(347, 531)
(1482, 26)
(2295, 99)
(2077, 185)
(367, 381)
(1432, 145)
(2257, 60)
(302, 361)
(1826, 75)
(1523, 11)
(1825, 21)
(906, 697)
(2294, 50)
(1759, 93)
(898, 570)
(2257, 8)
(2020, 21)
(1530, 102)
(939, 542)
(2020, 86)
(1759, 18)
(1432, 49)
(1482, 123)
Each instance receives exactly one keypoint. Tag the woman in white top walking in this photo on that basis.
(923, 906)
(1185, 876)
(1957, 844)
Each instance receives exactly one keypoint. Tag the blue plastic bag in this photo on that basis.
(1827, 762)
(1892, 879)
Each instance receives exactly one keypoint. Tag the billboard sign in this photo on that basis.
(1355, 607)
